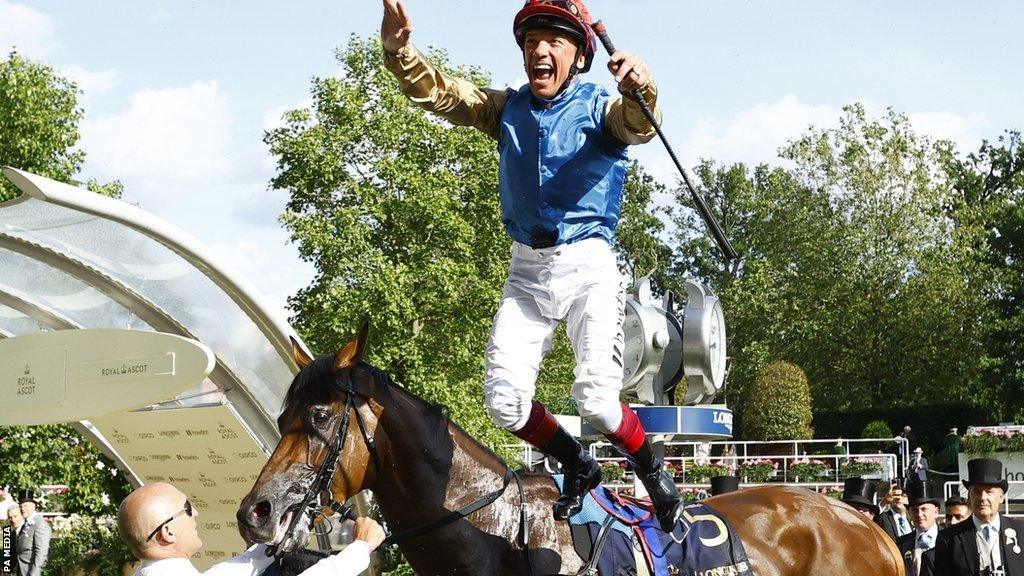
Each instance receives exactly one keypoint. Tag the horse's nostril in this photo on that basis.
(261, 510)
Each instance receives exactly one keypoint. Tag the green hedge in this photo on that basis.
(778, 406)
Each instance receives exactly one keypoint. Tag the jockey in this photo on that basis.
(562, 169)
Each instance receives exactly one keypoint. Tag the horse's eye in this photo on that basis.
(319, 417)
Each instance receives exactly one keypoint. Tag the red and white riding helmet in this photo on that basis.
(570, 16)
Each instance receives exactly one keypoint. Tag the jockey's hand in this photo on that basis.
(369, 531)
(395, 27)
(630, 71)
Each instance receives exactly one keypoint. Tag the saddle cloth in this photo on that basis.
(703, 542)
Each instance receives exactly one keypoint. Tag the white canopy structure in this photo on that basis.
(71, 259)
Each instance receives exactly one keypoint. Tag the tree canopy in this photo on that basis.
(39, 116)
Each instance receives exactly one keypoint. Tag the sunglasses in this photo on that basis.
(186, 510)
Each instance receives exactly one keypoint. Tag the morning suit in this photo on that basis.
(907, 543)
(33, 545)
(920, 474)
(887, 521)
(956, 549)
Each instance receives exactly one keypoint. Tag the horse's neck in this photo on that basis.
(431, 468)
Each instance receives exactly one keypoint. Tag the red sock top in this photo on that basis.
(540, 427)
(630, 434)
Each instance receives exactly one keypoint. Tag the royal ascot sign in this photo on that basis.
(72, 375)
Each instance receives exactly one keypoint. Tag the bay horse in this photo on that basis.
(421, 466)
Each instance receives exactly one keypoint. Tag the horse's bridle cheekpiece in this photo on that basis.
(321, 484)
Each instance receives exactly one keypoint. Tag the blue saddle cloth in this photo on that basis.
(702, 542)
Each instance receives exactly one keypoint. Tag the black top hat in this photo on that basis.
(986, 471)
(921, 493)
(26, 496)
(724, 484)
(859, 492)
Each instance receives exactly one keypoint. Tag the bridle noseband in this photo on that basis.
(321, 484)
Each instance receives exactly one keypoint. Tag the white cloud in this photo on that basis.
(159, 15)
(965, 131)
(91, 82)
(173, 133)
(755, 135)
(272, 265)
(25, 29)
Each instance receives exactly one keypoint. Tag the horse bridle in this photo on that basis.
(321, 484)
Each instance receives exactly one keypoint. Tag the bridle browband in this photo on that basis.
(321, 484)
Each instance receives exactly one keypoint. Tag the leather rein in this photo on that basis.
(319, 495)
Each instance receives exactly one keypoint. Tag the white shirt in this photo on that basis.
(988, 558)
(930, 535)
(353, 560)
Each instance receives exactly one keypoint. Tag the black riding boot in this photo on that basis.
(582, 472)
(668, 506)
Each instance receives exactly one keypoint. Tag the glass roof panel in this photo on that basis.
(154, 271)
(64, 294)
(16, 323)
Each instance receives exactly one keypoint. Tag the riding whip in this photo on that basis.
(702, 206)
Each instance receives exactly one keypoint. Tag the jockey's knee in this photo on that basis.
(508, 410)
(603, 415)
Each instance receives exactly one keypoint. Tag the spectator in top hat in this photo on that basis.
(989, 542)
(860, 494)
(917, 470)
(957, 510)
(918, 547)
(724, 484)
(33, 540)
(893, 519)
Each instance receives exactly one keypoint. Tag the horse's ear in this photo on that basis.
(299, 354)
(352, 353)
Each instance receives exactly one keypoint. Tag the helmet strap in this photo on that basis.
(573, 72)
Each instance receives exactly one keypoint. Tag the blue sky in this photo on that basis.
(178, 94)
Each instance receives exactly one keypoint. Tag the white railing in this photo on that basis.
(831, 466)
(752, 449)
(957, 487)
(730, 455)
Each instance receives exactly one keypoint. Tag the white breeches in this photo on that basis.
(581, 284)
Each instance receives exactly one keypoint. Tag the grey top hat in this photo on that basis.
(724, 484)
(859, 492)
(986, 471)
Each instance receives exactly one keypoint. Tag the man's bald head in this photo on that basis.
(144, 510)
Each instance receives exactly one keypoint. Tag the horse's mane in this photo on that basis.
(315, 384)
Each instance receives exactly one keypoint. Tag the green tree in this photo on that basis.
(850, 266)
(400, 215)
(57, 454)
(639, 237)
(779, 407)
(989, 189)
(39, 116)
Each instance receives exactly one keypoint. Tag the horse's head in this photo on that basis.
(328, 393)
